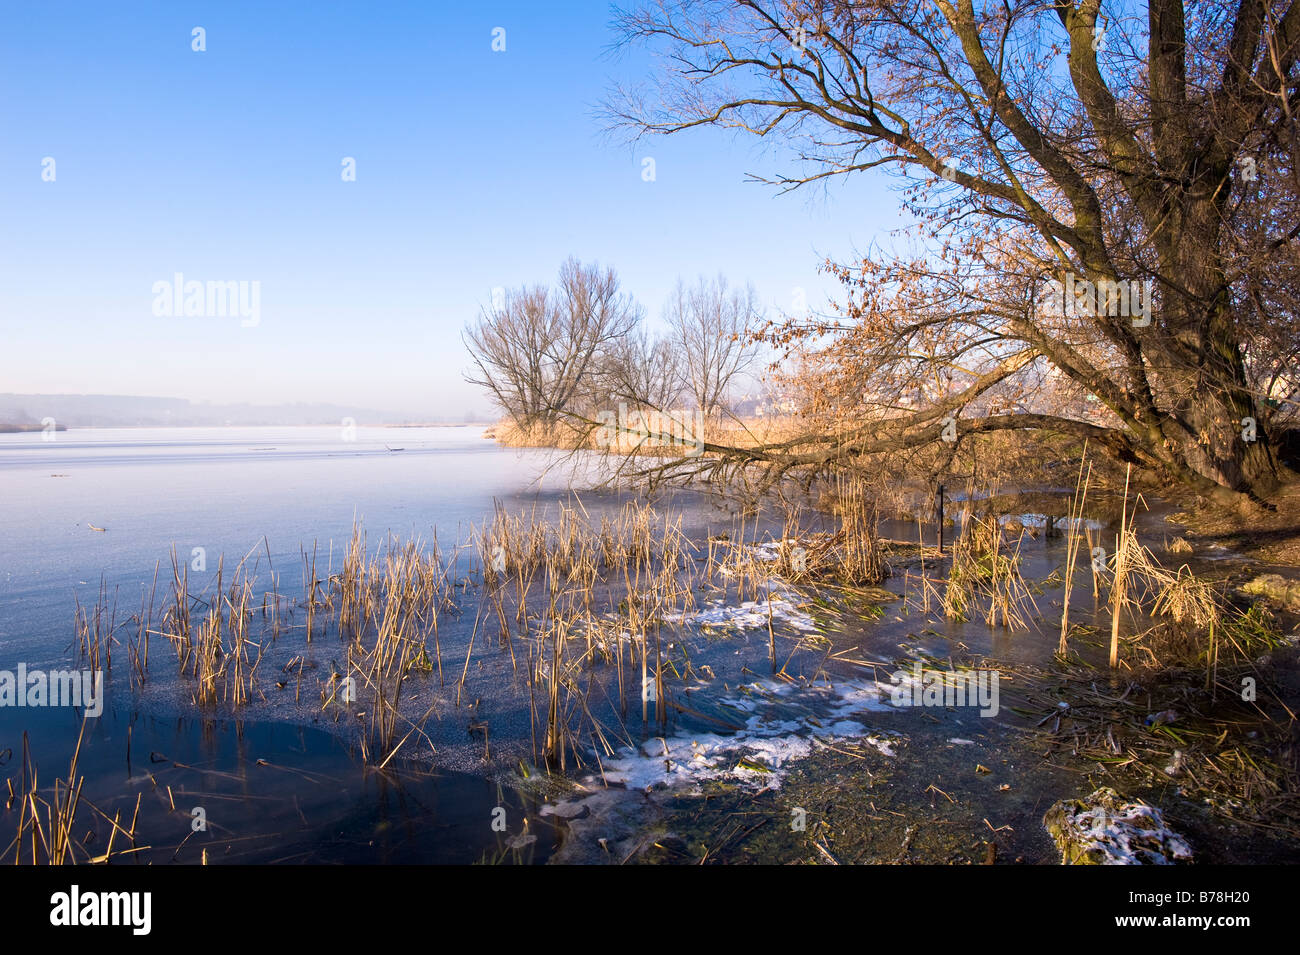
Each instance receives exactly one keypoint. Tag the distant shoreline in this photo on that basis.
(144, 411)
(7, 428)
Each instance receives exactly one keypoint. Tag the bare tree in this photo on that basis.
(645, 372)
(1152, 152)
(596, 317)
(711, 328)
(509, 344)
(540, 352)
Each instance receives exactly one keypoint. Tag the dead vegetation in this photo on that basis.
(561, 595)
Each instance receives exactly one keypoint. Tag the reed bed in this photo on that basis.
(587, 612)
(584, 617)
(985, 571)
(585, 609)
(582, 594)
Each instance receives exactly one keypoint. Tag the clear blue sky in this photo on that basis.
(474, 169)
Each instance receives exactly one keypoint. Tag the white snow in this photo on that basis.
(751, 615)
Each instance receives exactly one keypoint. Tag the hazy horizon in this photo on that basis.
(129, 411)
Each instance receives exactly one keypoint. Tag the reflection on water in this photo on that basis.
(229, 791)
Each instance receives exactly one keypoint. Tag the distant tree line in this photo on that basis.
(556, 356)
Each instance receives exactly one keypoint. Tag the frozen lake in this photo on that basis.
(226, 490)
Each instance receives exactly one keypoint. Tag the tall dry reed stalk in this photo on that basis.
(1072, 543)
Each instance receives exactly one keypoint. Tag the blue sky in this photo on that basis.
(474, 169)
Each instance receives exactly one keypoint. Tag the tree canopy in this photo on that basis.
(1109, 199)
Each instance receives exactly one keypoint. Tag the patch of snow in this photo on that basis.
(750, 615)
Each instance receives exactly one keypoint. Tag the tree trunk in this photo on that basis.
(1214, 427)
